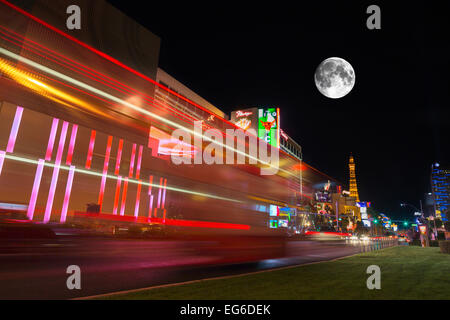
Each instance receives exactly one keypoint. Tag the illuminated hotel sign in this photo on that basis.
(269, 125)
(243, 113)
(265, 122)
(245, 119)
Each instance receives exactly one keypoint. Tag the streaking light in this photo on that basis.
(14, 130)
(67, 194)
(35, 191)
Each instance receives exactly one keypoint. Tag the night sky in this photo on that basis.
(396, 119)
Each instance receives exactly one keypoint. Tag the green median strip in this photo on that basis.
(406, 273)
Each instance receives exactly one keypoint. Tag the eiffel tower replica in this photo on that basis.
(353, 186)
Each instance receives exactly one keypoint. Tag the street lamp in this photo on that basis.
(410, 205)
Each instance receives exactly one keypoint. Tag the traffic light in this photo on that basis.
(405, 224)
(375, 221)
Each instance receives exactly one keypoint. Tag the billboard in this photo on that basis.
(323, 196)
(283, 223)
(273, 210)
(274, 224)
(324, 208)
(269, 125)
(245, 119)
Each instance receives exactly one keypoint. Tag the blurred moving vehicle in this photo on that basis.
(326, 233)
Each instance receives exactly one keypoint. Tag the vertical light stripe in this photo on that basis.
(139, 161)
(119, 156)
(35, 191)
(150, 206)
(2, 160)
(159, 192)
(14, 130)
(105, 172)
(133, 156)
(51, 193)
(150, 185)
(67, 194)
(51, 140)
(138, 198)
(124, 196)
(164, 193)
(73, 138)
(116, 196)
(91, 149)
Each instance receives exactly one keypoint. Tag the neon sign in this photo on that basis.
(243, 113)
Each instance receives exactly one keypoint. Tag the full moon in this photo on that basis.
(334, 78)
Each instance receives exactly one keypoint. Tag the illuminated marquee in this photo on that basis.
(269, 125)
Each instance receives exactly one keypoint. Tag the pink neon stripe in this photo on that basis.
(91, 149)
(14, 130)
(164, 193)
(119, 156)
(138, 197)
(133, 156)
(51, 140)
(67, 195)
(150, 207)
(105, 172)
(73, 138)
(51, 193)
(2, 159)
(35, 191)
(116, 196)
(159, 192)
(138, 167)
(150, 185)
(124, 196)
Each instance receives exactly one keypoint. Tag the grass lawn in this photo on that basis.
(406, 273)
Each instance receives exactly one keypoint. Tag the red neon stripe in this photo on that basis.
(172, 222)
(73, 138)
(124, 196)
(133, 156)
(138, 167)
(119, 156)
(14, 130)
(91, 149)
(116, 196)
(105, 172)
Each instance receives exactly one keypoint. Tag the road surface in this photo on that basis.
(108, 265)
